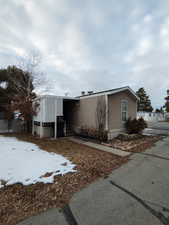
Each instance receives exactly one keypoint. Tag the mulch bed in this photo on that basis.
(18, 202)
(138, 145)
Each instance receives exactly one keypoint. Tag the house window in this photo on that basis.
(124, 110)
(36, 123)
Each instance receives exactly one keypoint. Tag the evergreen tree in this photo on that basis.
(159, 110)
(5, 91)
(144, 102)
(166, 106)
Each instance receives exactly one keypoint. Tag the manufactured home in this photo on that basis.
(60, 116)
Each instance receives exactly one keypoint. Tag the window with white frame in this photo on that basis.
(124, 110)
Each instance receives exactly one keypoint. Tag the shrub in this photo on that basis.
(135, 126)
(100, 135)
(84, 131)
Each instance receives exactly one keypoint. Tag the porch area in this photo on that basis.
(55, 117)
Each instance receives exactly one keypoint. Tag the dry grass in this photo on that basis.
(18, 202)
(138, 145)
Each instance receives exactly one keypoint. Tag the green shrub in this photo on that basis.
(135, 126)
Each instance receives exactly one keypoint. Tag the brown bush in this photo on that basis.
(135, 126)
(100, 135)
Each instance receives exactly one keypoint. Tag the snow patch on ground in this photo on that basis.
(24, 162)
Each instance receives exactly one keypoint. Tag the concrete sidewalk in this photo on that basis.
(100, 147)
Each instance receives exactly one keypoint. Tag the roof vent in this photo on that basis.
(90, 92)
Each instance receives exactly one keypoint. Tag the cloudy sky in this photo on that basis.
(91, 44)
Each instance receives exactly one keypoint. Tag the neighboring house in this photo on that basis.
(151, 116)
(60, 116)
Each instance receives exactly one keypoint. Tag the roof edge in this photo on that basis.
(110, 92)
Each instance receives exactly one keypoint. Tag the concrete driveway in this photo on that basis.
(135, 194)
(158, 128)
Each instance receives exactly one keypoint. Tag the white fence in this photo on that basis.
(167, 116)
(151, 116)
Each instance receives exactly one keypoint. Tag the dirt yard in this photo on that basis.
(138, 145)
(18, 202)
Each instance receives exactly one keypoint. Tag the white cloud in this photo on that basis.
(144, 46)
(90, 45)
(164, 34)
(147, 19)
(165, 28)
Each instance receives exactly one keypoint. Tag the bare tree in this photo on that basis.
(25, 76)
(101, 116)
(31, 63)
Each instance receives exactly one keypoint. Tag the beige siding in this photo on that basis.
(114, 114)
(85, 112)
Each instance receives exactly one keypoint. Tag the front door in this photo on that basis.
(60, 126)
